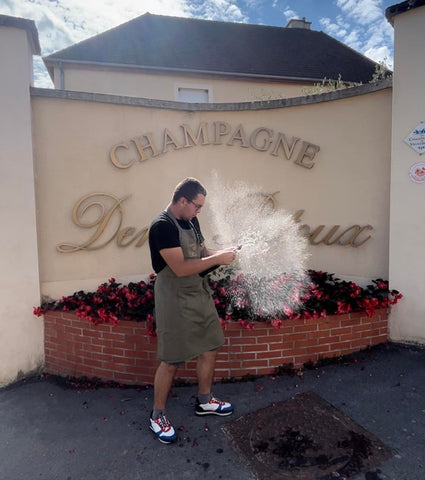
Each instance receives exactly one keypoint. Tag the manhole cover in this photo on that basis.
(304, 438)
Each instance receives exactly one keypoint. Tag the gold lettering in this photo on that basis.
(305, 153)
(261, 139)
(238, 134)
(202, 131)
(169, 140)
(327, 239)
(266, 141)
(123, 234)
(270, 198)
(351, 240)
(297, 215)
(100, 222)
(128, 232)
(149, 145)
(144, 235)
(221, 129)
(114, 159)
(314, 235)
(281, 140)
(109, 205)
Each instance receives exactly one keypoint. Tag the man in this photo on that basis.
(187, 322)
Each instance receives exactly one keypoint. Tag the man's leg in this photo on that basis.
(205, 371)
(159, 423)
(164, 377)
(206, 403)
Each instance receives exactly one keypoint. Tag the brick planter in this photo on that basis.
(126, 354)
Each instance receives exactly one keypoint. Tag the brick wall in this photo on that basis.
(126, 354)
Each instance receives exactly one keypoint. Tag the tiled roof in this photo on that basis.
(201, 46)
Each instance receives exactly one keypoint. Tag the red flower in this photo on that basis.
(38, 311)
(318, 294)
(342, 307)
(247, 325)
(276, 323)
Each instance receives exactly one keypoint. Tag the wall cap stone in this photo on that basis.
(212, 107)
(24, 24)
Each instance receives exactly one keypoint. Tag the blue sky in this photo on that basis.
(360, 24)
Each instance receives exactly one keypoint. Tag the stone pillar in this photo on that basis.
(407, 217)
(21, 334)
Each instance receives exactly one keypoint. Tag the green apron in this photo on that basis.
(187, 322)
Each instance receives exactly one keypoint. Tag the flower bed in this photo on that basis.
(319, 296)
(126, 353)
(110, 333)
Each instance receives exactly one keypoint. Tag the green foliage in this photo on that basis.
(328, 85)
(381, 72)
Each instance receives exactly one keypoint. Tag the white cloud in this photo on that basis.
(255, 3)
(362, 11)
(379, 33)
(334, 29)
(226, 10)
(289, 14)
(380, 55)
(352, 39)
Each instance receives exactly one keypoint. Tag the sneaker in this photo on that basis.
(214, 407)
(163, 429)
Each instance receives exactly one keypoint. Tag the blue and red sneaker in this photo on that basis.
(214, 407)
(163, 429)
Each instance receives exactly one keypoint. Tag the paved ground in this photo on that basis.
(50, 431)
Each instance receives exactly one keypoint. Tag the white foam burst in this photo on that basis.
(271, 243)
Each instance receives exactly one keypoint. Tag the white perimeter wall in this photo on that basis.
(407, 220)
(21, 334)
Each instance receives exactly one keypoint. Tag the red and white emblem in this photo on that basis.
(417, 172)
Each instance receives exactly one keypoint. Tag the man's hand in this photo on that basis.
(226, 256)
(183, 267)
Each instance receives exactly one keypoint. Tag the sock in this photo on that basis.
(204, 397)
(156, 413)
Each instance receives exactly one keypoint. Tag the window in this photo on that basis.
(193, 94)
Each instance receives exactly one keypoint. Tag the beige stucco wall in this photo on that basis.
(21, 334)
(407, 233)
(349, 183)
(149, 85)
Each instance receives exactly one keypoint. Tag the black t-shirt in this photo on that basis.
(163, 233)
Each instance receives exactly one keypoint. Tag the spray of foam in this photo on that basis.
(273, 254)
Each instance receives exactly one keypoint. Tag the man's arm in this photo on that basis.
(206, 252)
(184, 267)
